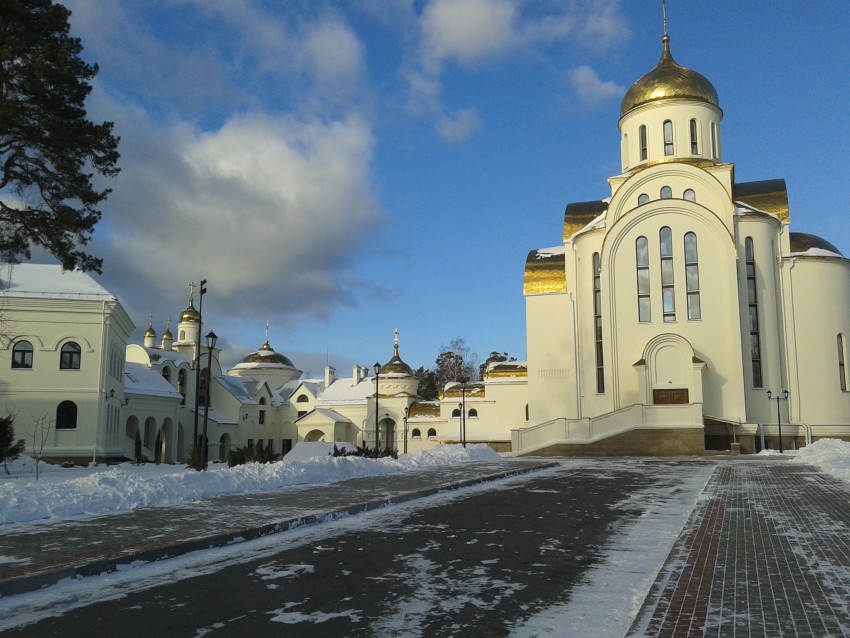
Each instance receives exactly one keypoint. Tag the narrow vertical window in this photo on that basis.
(692, 276)
(643, 151)
(668, 292)
(752, 304)
(597, 320)
(666, 192)
(694, 145)
(713, 140)
(668, 137)
(642, 263)
(625, 151)
(842, 369)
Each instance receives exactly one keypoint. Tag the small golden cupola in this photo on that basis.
(396, 377)
(189, 324)
(671, 114)
(150, 334)
(167, 337)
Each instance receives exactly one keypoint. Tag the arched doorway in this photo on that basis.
(223, 447)
(313, 436)
(387, 434)
(131, 431)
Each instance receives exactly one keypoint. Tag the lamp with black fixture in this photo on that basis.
(463, 382)
(197, 361)
(406, 411)
(377, 368)
(211, 341)
(782, 396)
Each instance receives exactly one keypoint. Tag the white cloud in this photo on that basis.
(270, 209)
(590, 88)
(467, 30)
(459, 126)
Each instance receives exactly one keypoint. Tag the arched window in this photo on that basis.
(526, 412)
(714, 153)
(416, 433)
(262, 418)
(456, 413)
(166, 374)
(668, 137)
(473, 413)
(22, 355)
(692, 276)
(666, 192)
(625, 150)
(643, 148)
(694, 145)
(69, 356)
(643, 198)
(66, 415)
(842, 369)
(181, 385)
(668, 297)
(597, 320)
(302, 399)
(689, 195)
(432, 433)
(182, 335)
(753, 308)
(642, 263)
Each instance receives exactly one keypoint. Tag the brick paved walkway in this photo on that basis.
(35, 555)
(766, 552)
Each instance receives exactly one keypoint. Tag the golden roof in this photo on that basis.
(668, 80)
(506, 370)
(473, 390)
(577, 215)
(424, 409)
(802, 242)
(267, 355)
(544, 272)
(396, 365)
(769, 195)
(150, 332)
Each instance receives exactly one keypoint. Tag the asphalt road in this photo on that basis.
(467, 565)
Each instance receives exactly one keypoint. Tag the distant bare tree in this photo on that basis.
(456, 360)
(40, 434)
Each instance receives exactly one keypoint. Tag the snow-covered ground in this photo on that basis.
(829, 455)
(69, 492)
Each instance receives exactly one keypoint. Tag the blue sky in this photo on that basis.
(342, 168)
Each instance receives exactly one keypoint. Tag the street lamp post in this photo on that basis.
(197, 362)
(463, 382)
(377, 388)
(406, 410)
(211, 339)
(783, 396)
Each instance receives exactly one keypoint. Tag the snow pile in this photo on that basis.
(68, 492)
(829, 455)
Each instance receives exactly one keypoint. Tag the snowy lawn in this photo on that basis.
(68, 492)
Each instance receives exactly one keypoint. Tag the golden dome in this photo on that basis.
(190, 315)
(150, 332)
(396, 365)
(167, 334)
(803, 242)
(668, 80)
(267, 355)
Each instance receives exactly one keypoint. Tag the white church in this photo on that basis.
(677, 301)
(678, 314)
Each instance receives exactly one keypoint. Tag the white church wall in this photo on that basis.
(550, 328)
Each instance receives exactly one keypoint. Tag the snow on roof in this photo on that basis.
(141, 380)
(816, 252)
(160, 356)
(542, 253)
(241, 388)
(327, 414)
(342, 390)
(50, 282)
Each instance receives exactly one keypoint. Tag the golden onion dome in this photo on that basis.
(668, 80)
(396, 365)
(266, 355)
(150, 332)
(190, 315)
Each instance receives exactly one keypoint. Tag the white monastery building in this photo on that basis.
(679, 313)
(676, 301)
